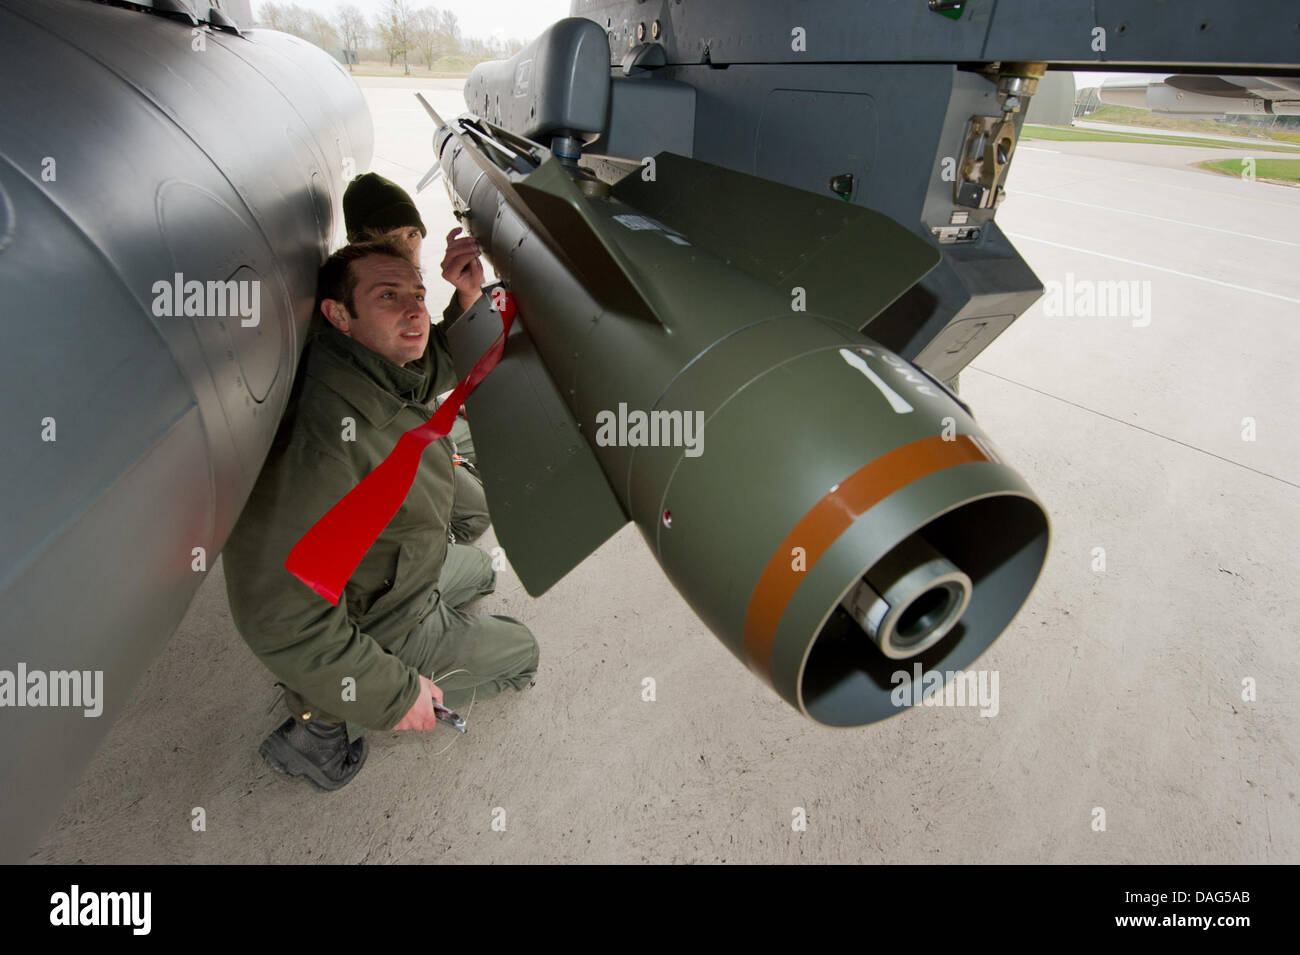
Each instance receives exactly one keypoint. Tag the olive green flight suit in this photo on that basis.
(469, 515)
(399, 614)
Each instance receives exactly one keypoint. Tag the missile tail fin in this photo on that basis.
(852, 262)
(552, 204)
(586, 241)
(550, 502)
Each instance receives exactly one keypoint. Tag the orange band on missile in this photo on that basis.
(832, 516)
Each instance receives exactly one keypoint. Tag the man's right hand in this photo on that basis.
(421, 715)
(462, 268)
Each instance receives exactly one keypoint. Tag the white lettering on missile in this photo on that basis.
(657, 429)
(909, 373)
(646, 224)
(895, 400)
(637, 223)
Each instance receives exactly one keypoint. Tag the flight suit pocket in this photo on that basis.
(374, 579)
(387, 598)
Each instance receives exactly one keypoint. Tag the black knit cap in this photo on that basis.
(373, 202)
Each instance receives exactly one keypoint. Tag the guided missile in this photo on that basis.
(687, 356)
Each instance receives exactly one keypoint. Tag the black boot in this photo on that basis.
(315, 749)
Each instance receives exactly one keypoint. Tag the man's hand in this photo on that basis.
(421, 715)
(462, 268)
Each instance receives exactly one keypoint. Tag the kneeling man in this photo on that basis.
(397, 642)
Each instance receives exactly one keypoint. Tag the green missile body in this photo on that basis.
(688, 357)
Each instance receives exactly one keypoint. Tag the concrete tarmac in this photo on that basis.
(1147, 707)
(1148, 154)
(1182, 133)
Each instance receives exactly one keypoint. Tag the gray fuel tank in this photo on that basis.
(149, 166)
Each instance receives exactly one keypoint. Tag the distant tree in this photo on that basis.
(449, 27)
(424, 34)
(317, 29)
(384, 31)
(352, 29)
(308, 24)
(477, 48)
(285, 17)
(397, 20)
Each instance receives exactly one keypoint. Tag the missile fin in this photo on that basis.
(851, 261)
(428, 177)
(553, 206)
(586, 240)
(550, 502)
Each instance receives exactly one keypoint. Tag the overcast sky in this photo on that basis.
(525, 19)
(504, 19)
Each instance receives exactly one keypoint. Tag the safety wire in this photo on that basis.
(472, 698)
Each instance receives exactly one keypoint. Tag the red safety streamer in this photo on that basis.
(329, 553)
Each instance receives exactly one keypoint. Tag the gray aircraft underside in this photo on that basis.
(170, 182)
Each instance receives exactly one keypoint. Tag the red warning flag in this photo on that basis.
(329, 553)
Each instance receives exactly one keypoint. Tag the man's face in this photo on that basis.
(388, 313)
(409, 238)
